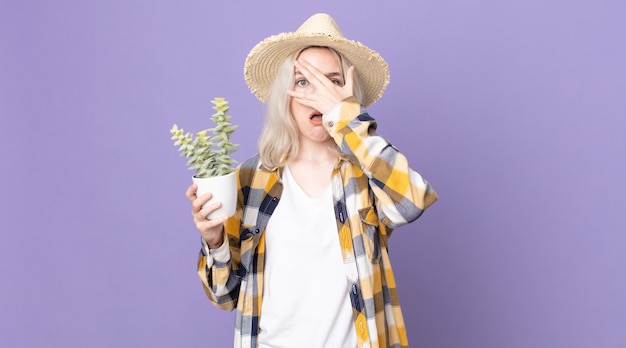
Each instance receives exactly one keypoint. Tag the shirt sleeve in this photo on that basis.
(217, 270)
(402, 194)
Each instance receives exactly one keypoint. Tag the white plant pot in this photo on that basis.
(223, 188)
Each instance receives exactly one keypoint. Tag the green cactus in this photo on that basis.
(209, 155)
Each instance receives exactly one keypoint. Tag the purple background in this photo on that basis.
(514, 111)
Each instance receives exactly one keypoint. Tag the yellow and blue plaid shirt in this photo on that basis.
(374, 191)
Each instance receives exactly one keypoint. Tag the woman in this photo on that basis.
(304, 260)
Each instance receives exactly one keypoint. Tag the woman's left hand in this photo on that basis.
(327, 93)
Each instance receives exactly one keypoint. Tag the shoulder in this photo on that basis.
(252, 163)
(252, 170)
(247, 169)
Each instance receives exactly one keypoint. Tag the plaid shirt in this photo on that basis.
(374, 191)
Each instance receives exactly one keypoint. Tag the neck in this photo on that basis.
(316, 152)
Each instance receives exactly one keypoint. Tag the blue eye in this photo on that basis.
(337, 82)
(302, 83)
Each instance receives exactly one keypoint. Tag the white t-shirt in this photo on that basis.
(306, 299)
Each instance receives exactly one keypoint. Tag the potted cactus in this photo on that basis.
(209, 153)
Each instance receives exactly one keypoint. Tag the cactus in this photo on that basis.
(209, 152)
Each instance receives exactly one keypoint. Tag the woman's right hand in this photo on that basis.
(211, 230)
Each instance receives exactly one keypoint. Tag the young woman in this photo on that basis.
(304, 259)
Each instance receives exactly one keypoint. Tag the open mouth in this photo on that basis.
(316, 119)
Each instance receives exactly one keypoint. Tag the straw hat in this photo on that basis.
(264, 59)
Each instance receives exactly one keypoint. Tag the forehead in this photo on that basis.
(322, 58)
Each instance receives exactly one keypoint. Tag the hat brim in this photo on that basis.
(264, 60)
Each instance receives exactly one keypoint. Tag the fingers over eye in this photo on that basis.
(309, 71)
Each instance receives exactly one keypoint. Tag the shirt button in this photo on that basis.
(331, 123)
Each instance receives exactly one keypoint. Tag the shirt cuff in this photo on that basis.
(220, 255)
(332, 118)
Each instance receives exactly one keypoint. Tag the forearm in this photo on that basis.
(216, 271)
(401, 192)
